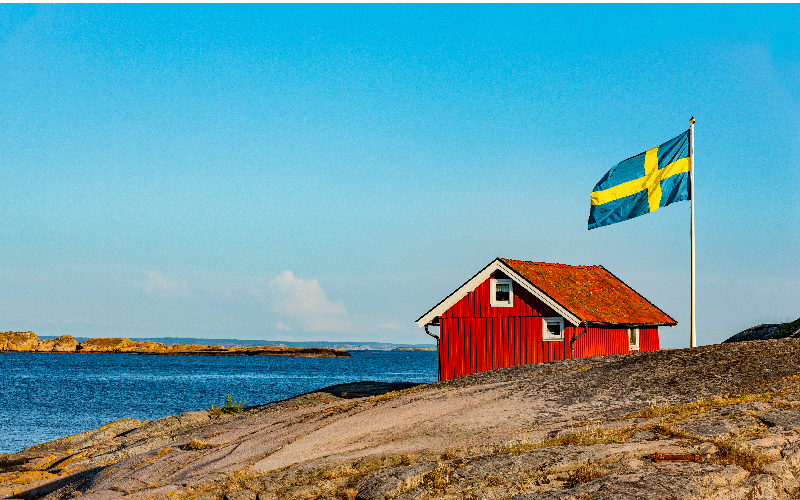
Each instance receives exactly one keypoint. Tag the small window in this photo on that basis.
(633, 339)
(552, 328)
(501, 293)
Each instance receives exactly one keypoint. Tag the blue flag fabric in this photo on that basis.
(643, 183)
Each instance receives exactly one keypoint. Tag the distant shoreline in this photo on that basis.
(30, 342)
(341, 345)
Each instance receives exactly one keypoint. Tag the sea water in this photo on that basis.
(46, 396)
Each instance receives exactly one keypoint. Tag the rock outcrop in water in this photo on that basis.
(717, 422)
(18, 341)
(29, 342)
(64, 343)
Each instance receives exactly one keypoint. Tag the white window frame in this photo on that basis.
(633, 347)
(546, 335)
(493, 292)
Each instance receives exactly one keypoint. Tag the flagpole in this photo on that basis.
(693, 338)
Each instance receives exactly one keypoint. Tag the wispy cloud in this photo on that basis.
(393, 325)
(308, 302)
(299, 304)
(159, 286)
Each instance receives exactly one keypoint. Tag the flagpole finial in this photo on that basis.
(692, 120)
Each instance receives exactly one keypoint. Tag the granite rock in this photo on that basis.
(644, 425)
(18, 341)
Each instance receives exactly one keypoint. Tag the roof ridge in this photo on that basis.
(553, 264)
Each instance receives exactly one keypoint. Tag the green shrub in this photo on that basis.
(229, 408)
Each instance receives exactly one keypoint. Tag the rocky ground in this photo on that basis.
(30, 342)
(718, 422)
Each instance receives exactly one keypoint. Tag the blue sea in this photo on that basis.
(46, 396)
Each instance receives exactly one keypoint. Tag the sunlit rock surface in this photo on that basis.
(30, 342)
(711, 422)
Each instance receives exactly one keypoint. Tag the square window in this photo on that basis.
(553, 329)
(633, 339)
(501, 293)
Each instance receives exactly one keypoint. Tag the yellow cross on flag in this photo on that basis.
(643, 183)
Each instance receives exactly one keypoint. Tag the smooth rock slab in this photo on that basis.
(710, 429)
(393, 482)
(241, 495)
(746, 408)
(788, 419)
(670, 481)
(781, 471)
(166, 424)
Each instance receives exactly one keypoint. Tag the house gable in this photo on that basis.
(477, 303)
(496, 266)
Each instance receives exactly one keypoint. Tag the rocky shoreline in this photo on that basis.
(30, 342)
(719, 422)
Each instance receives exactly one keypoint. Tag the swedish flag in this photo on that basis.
(643, 183)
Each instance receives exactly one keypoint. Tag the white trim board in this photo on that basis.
(483, 275)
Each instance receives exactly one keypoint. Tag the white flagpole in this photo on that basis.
(693, 338)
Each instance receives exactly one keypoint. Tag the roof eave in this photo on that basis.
(633, 324)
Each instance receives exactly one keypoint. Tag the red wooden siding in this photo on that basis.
(476, 337)
(600, 341)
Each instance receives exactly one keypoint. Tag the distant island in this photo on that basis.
(30, 342)
(415, 348)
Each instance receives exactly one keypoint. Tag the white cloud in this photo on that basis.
(159, 286)
(305, 300)
(282, 326)
(393, 325)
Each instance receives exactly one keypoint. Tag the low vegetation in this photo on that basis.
(586, 437)
(196, 444)
(229, 409)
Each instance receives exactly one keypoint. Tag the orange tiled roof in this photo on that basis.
(591, 293)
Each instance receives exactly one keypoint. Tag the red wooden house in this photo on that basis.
(515, 312)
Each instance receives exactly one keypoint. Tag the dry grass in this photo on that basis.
(585, 474)
(404, 486)
(196, 444)
(240, 480)
(729, 452)
(438, 478)
(347, 493)
(685, 410)
(339, 471)
(494, 480)
(588, 437)
(450, 454)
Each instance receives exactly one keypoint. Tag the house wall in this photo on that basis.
(599, 341)
(476, 337)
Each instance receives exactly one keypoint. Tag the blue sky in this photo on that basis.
(330, 172)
